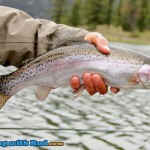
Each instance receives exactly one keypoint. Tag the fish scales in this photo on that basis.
(54, 69)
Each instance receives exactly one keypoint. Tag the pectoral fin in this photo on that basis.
(77, 93)
(134, 80)
(41, 92)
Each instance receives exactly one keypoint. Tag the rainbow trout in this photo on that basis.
(122, 68)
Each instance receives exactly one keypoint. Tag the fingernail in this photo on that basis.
(75, 80)
(106, 47)
(96, 78)
(87, 75)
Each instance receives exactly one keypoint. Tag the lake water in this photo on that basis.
(110, 122)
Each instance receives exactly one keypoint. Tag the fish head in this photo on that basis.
(144, 75)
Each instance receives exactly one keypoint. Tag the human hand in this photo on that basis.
(93, 82)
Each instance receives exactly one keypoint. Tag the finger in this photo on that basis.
(102, 44)
(97, 39)
(103, 48)
(89, 86)
(104, 40)
(75, 83)
(99, 84)
(114, 90)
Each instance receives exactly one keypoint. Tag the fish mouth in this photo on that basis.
(144, 75)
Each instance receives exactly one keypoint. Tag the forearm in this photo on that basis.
(23, 37)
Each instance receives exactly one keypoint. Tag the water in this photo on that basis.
(91, 123)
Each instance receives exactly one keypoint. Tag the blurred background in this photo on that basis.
(118, 20)
(109, 122)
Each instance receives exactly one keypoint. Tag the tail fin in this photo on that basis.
(3, 96)
(3, 99)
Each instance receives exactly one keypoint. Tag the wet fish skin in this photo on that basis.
(121, 68)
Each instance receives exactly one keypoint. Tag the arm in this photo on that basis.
(23, 37)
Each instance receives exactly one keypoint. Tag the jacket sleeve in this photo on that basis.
(22, 37)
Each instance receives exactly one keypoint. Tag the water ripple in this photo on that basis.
(110, 123)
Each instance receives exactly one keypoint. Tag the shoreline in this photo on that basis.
(116, 34)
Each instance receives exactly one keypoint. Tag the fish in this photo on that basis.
(122, 68)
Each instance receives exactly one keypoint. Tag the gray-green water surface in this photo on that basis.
(96, 122)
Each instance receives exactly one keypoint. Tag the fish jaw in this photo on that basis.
(144, 75)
